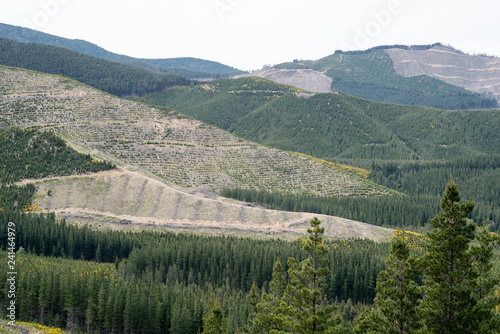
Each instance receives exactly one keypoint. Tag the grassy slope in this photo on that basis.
(371, 75)
(333, 126)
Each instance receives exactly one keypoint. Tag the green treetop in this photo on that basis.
(397, 294)
(305, 306)
(452, 266)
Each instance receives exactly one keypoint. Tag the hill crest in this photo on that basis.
(186, 66)
(478, 74)
(374, 74)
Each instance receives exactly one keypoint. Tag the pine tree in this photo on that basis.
(214, 321)
(267, 311)
(451, 303)
(488, 280)
(305, 308)
(253, 299)
(397, 294)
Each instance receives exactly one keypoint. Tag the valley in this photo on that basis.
(165, 158)
(184, 196)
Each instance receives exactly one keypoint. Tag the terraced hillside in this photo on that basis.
(475, 73)
(129, 200)
(371, 74)
(306, 79)
(177, 149)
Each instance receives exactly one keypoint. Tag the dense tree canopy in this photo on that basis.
(33, 154)
(452, 268)
(112, 77)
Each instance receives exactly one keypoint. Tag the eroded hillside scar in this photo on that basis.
(88, 186)
(105, 195)
(68, 196)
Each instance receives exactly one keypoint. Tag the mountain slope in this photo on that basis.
(180, 150)
(333, 125)
(370, 74)
(171, 163)
(306, 79)
(112, 77)
(187, 66)
(479, 74)
(131, 201)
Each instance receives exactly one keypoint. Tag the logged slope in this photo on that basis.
(306, 79)
(186, 66)
(130, 200)
(180, 150)
(333, 125)
(371, 75)
(475, 73)
(112, 77)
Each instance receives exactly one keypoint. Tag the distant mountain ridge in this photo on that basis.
(375, 74)
(185, 66)
(109, 76)
(478, 74)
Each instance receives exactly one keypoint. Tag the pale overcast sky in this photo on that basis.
(248, 34)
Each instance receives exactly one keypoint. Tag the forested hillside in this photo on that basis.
(411, 149)
(421, 182)
(173, 278)
(173, 287)
(371, 75)
(33, 154)
(185, 66)
(112, 77)
(332, 126)
(177, 149)
(114, 282)
(108, 252)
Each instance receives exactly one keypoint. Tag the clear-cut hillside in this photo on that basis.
(170, 164)
(306, 79)
(478, 74)
(177, 149)
(130, 200)
(371, 75)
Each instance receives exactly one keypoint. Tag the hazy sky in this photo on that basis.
(248, 34)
